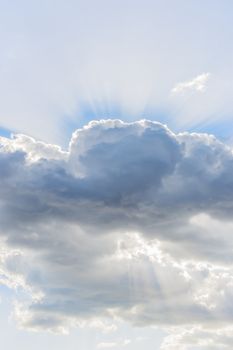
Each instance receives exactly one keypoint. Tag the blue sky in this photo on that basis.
(116, 232)
(61, 61)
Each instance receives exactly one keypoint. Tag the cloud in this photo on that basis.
(198, 84)
(203, 339)
(102, 231)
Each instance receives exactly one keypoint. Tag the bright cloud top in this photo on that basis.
(132, 223)
(197, 84)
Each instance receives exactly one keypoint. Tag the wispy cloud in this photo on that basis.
(197, 84)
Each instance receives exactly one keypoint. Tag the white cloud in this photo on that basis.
(34, 150)
(103, 230)
(195, 337)
(199, 84)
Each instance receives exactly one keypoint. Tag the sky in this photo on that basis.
(116, 162)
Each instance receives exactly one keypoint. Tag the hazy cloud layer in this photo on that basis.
(133, 222)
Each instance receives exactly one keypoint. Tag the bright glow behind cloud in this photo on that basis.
(65, 63)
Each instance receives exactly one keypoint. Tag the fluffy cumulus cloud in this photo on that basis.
(132, 223)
